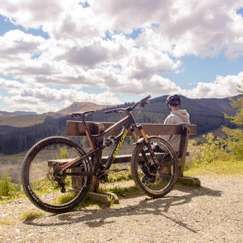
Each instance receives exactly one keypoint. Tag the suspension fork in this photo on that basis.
(145, 137)
(143, 134)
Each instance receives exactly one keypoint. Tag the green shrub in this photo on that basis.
(116, 176)
(124, 191)
(4, 187)
(235, 142)
(63, 153)
(235, 136)
(31, 215)
(8, 189)
(213, 148)
(65, 198)
(222, 154)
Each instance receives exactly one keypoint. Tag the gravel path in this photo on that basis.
(212, 213)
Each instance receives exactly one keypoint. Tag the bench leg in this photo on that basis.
(95, 184)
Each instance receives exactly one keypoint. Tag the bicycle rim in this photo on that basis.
(156, 182)
(47, 190)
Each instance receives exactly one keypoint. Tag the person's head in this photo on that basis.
(173, 102)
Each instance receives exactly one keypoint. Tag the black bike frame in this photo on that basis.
(124, 124)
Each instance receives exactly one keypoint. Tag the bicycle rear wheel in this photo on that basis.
(43, 184)
(154, 166)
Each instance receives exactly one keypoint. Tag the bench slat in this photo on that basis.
(76, 128)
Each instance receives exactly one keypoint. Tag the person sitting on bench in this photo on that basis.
(177, 116)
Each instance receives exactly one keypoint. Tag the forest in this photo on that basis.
(207, 114)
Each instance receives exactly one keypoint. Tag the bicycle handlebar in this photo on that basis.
(142, 103)
(81, 114)
(116, 110)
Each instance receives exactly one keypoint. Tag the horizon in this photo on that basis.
(90, 51)
(62, 108)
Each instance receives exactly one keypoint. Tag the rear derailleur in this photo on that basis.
(56, 175)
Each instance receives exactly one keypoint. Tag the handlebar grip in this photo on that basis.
(75, 115)
(146, 98)
(82, 114)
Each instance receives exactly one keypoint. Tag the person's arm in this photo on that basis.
(174, 140)
(169, 120)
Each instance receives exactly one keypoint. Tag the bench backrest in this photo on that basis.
(76, 128)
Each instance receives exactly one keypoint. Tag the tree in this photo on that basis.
(235, 136)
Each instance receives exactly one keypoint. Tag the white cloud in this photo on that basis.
(191, 27)
(16, 44)
(34, 13)
(144, 63)
(80, 54)
(87, 56)
(222, 86)
(43, 98)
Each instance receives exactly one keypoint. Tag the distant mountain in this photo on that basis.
(208, 114)
(81, 107)
(17, 113)
(26, 119)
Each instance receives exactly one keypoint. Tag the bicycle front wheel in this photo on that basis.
(154, 166)
(43, 184)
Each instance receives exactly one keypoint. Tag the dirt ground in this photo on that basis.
(213, 213)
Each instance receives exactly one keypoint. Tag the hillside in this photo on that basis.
(81, 107)
(27, 119)
(16, 113)
(208, 114)
(22, 121)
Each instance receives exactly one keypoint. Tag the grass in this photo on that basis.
(120, 188)
(88, 201)
(115, 176)
(119, 182)
(8, 189)
(6, 222)
(220, 167)
(94, 203)
(65, 198)
(31, 215)
(124, 191)
(44, 186)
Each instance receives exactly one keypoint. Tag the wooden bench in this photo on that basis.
(76, 128)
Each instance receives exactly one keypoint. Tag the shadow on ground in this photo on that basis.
(96, 218)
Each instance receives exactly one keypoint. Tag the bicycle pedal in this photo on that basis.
(103, 178)
(63, 189)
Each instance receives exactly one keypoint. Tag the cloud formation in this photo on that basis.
(101, 50)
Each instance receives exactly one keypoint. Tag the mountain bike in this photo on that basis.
(57, 173)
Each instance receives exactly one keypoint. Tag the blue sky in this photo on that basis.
(197, 69)
(107, 53)
(6, 25)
